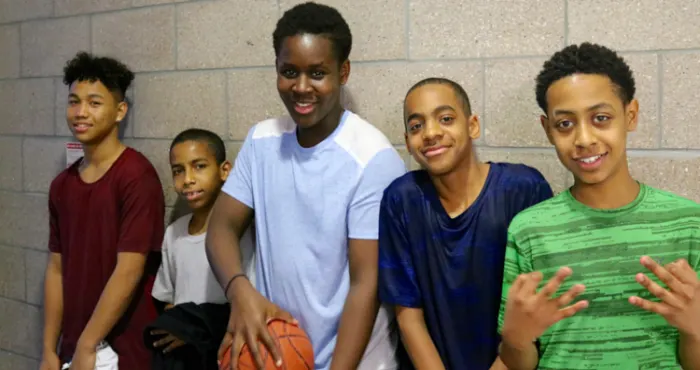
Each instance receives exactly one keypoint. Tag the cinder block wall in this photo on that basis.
(209, 64)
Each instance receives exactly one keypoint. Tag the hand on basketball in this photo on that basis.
(169, 341)
(528, 313)
(250, 314)
(680, 303)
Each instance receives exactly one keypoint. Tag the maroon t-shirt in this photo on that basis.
(90, 224)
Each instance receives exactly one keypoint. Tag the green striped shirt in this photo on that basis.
(603, 248)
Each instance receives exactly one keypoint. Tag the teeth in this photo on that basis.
(590, 159)
(303, 104)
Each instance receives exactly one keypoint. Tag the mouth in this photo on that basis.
(193, 195)
(81, 127)
(591, 162)
(434, 151)
(304, 108)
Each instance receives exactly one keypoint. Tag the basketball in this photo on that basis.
(294, 345)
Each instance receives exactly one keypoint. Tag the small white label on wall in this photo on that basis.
(73, 152)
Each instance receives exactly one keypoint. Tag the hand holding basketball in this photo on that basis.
(528, 313)
(250, 314)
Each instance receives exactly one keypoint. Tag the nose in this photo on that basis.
(189, 176)
(584, 135)
(80, 110)
(432, 130)
(302, 84)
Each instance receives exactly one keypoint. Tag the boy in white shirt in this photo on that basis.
(199, 169)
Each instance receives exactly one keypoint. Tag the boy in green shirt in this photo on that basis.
(604, 275)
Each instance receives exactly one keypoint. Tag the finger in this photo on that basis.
(158, 332)
(570, 295)
(236, 347)
(164, 341)
(518, 284)
(225, 343)
(662, 273)
(570, 310)
(555, 282)
(683, 272)
(658, 291)
(173, 345)
(532, 281)
(272, 348)
(254, 350)
(659, 308)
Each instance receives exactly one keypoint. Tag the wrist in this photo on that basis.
(690, 337)
(515, 342)
(86, 343)
(236, 287)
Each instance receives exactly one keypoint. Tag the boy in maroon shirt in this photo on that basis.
(106, 223)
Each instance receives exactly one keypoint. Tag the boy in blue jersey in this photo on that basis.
(314, 182)
(443, 233)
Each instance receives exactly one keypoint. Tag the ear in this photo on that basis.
(632, 115)
(474, 127)
(225, 170)
(122, 109)
(344, 72)
(544, 121)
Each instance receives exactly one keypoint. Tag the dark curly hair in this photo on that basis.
(586, 58)
(216, 145)
(315, 19)
(110, 72)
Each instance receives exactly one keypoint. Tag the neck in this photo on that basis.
(102, 152)
(200, 221)
(312, 136)
(459, 188)
(617, 191)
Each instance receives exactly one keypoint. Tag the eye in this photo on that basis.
(177, 171)
(600, 118)
(95, 104)
(72, 102)
(412, 127)
(201, 166)
(317, 75)
(564, 125)
(446, 119)
(288, 73)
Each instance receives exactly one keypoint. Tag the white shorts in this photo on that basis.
(107, 359)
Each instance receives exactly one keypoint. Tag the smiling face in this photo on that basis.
(196, 175)
(93, 112)
(439, 134)
(587, 122)
(309, 77)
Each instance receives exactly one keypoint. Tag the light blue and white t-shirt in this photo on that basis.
(308, 202)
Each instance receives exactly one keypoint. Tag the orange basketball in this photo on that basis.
(294, 345)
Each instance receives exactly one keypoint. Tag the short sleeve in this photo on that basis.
(239, 183)
(54, 229)
(517, 262)
(397, 280)
(363, 213)
(142, 213)
(164, 285)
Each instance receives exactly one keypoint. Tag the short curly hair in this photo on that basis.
(116, 76)
(586, 58)
(315, 19)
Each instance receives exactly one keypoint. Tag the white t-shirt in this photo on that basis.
(185, 274)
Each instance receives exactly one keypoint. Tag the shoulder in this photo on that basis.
(177, 229)
(666, 201)
(519, 175)
(57, 184)
(542, 213)
(405, 189)
(271, 128)
(362, 141)
(134, 165)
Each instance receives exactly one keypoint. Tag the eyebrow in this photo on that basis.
(592, 108)
(74, 95)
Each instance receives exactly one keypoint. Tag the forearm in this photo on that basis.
(419, 345)
(519, 358)
(53, 309)
(114, 301)
(356, 323)
(689, 352)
